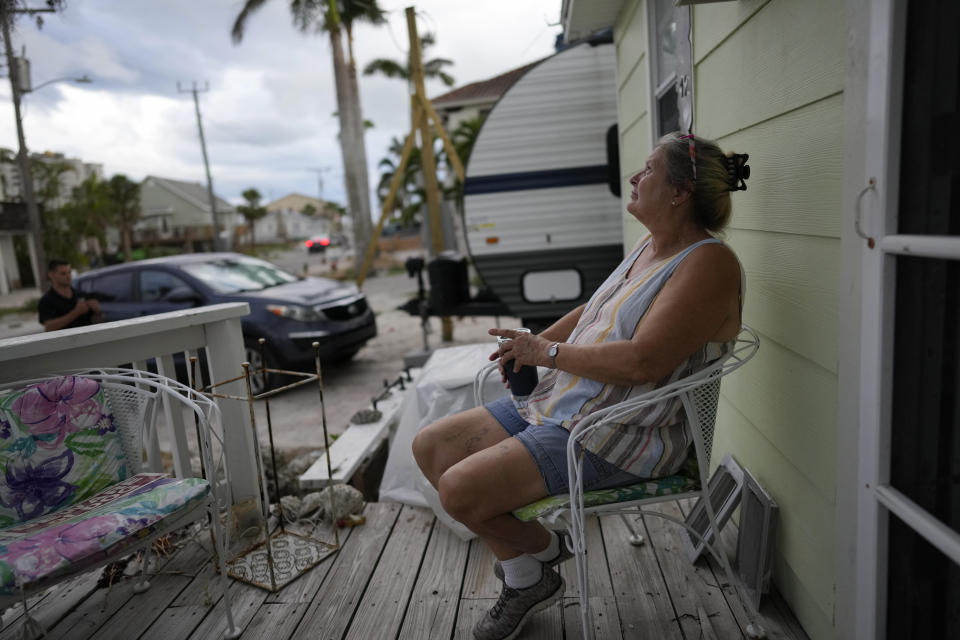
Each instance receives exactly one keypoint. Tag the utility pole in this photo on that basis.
(319, 171)
(217, 245)
(26, 175)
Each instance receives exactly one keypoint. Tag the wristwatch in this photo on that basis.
(552, 352)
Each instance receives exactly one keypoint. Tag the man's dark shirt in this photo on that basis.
(53, 305)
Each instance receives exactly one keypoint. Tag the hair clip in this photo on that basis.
(738, 171)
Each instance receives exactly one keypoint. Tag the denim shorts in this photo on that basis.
(548, 446)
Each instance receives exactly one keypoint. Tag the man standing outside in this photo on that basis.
(63, 307)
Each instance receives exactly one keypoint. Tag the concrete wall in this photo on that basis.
(768, 81)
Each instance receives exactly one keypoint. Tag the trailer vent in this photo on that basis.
(724, 489)
(758, 517)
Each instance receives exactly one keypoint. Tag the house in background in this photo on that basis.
(286, 220)
(474, 99)
(849, 234)
(76, 171)
(178, 213)
(17, 258)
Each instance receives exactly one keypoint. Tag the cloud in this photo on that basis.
(268, 113)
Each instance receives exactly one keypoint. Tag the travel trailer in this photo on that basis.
(542, 210)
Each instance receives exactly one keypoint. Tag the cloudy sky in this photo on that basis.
(268, 113)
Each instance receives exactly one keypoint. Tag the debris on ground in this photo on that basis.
(347, 501)
(351, 521)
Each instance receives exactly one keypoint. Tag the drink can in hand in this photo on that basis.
(521, 382)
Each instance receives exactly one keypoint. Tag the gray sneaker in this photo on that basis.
(515, 606)
(564, 555)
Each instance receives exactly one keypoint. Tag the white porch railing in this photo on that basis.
(215, 328)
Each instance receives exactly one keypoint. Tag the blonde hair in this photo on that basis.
(711, 188)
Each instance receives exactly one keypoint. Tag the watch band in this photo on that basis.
(553, 352)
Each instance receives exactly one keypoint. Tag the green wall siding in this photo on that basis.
(768, 81)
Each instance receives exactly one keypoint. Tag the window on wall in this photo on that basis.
(664, 62)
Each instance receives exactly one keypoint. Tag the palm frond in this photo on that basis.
(446, 78)
(389, 68)
(368, 11)
(310, 13)
(249, 7)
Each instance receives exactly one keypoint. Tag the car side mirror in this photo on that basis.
(182, 294)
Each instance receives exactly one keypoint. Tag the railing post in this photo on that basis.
(224, 341)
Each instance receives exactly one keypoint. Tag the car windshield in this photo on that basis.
(233, 275)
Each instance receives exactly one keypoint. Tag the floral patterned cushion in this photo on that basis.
(58, 446)
(686, 479)
(49, 547)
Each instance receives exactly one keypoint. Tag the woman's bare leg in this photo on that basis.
(482, 474)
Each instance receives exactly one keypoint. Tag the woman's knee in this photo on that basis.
(460, 495)
(424, 445)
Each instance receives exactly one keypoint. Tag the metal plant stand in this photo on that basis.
(283, 556)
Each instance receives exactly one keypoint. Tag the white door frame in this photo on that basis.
(871, 201)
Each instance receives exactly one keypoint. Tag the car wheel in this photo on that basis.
(259, 381)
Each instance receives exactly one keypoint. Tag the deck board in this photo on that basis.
(433, 606)
(332, 611)
(381, 611)
(403, 574)
(643, 600)
(603, 603)
(693, 587)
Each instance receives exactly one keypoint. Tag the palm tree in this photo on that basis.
(252, 211)
(410, 196)
(84, 215)
(326, 16)
(463, 139)
(394, 69)
(124, 202)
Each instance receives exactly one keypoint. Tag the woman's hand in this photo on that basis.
(523, 348)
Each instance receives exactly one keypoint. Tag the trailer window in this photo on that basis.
(552, 286)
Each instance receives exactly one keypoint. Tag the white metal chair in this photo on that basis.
(699, 395)
(134, 397)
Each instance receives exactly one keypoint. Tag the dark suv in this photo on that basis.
(290, 312)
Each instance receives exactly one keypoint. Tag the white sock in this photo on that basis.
(521, 572)
(552, 550)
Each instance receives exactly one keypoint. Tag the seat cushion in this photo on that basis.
(58, 446)
(72, 539)
(686, 479)
(649, 489)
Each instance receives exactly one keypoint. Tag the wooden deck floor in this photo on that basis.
(403, 575)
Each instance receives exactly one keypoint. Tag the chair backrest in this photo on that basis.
(700, 392)
(702, 412)
(135, 410)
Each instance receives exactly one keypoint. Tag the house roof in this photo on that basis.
(193, 193)
(295, 201)
(490, 89)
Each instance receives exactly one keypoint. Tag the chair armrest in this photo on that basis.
(482, 374)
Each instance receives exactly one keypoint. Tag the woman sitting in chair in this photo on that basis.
(669, 309)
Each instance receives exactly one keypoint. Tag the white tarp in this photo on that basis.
(444, 387)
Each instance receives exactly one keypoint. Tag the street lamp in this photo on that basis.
(17, 88)
(84, 79)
